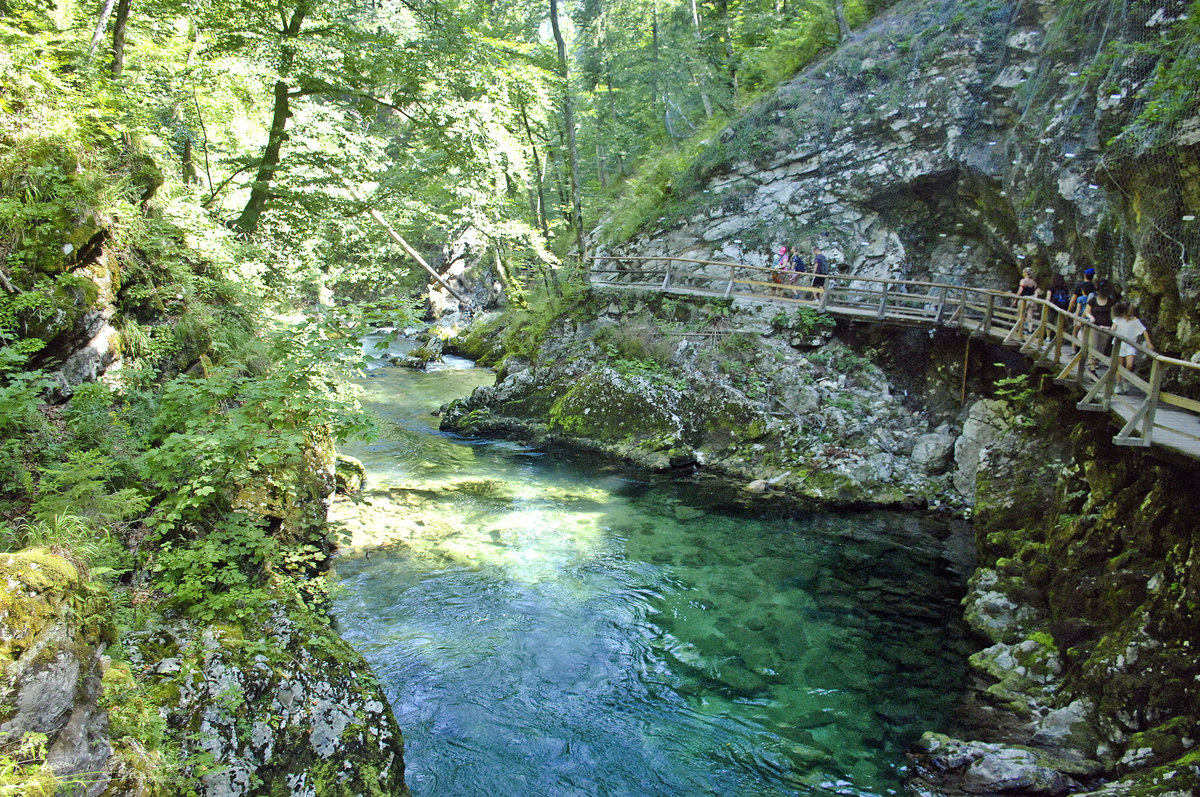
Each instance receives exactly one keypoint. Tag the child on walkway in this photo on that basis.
(1128, 328)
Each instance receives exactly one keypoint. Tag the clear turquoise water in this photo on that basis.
(548, 624)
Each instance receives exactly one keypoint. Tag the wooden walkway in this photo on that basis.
(1072, 347)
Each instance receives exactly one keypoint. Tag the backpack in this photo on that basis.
(1060, 297)
(821, 265)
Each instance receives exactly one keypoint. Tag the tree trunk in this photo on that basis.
(704, 98)
(666, 110)
(540, 210)
(727, 37)
(119, 25)
(247, 223)
(188, 170)
(569, 123)
(260, 190)
(839, 11)
(101, 26)
(612, 100)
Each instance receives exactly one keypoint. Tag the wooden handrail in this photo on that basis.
(984, 311)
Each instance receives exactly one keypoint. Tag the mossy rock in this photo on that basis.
(36, 584)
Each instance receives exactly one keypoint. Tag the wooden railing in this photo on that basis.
(1077, 350)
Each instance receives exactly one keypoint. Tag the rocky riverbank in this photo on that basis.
(129, 700)
(763, 394)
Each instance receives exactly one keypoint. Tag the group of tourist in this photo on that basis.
(789, 265)
(1097, 301)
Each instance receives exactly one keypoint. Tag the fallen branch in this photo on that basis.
(413, 253)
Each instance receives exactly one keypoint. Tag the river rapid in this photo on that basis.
(550, 623)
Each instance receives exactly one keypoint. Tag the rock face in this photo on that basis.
(285, 707)
(962, 141)
(817, 421)
(53, 629)
(282, 706)
(1083, 597)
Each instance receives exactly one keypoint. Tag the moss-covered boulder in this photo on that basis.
(276, 705)
(54, 627)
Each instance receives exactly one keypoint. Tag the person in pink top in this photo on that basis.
(781, 265)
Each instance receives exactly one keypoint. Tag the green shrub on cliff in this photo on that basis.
(23, 770)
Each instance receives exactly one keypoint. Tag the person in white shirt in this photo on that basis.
(1128, 328)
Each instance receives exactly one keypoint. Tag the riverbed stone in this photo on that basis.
(1011, 769)
(977, 767)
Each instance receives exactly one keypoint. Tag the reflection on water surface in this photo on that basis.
(553, 625)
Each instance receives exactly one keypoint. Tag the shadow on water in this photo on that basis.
(550, 624)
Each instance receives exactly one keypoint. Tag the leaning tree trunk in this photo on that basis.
(539, 209)
(839, 11)
(101, 26)
(260, 190)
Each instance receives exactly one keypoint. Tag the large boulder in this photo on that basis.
(53, 629)
(281, 705)
(987, 420)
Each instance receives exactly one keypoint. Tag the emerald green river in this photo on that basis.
(548, 623)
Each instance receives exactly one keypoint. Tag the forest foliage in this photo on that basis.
(201, 177)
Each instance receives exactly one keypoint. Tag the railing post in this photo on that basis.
(1156, 376)
(729, 287)
(1059, 328)
(666, 283)
(941, 311)
(824, 301)
(1113, 377)
(1085, 348)
(883, 297)
(986, 328)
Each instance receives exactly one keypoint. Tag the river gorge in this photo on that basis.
(547, 622)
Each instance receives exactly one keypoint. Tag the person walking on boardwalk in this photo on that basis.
(1059, 292)
(796, 262)
(820, 268)
(780, 266)
(1079, 299)
(1027, 287)
(1099, 311)
(1128, 328)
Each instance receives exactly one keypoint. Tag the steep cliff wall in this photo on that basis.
(960, 141)
(1085, 597)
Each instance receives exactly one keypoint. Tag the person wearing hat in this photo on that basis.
(1083, 289)
(1079, 298)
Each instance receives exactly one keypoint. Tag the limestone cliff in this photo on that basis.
(1085, 598)
(960, 141)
